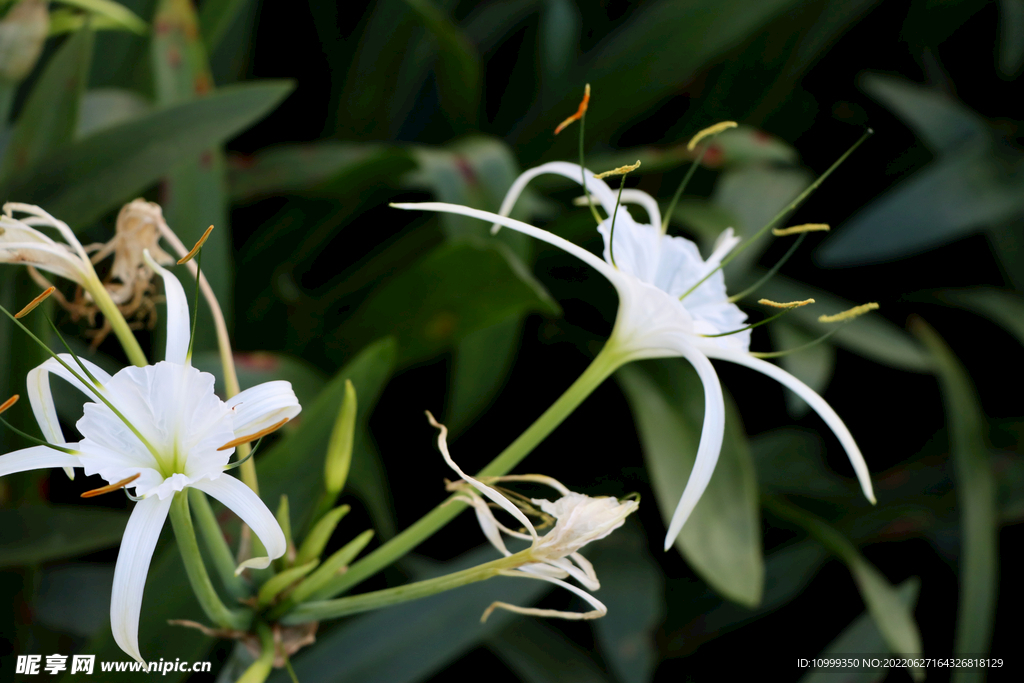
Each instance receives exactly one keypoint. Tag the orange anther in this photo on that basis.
(579, 112)
(35, 302)
(111, 487)
(252, 437)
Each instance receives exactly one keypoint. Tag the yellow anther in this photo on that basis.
(579, 112)
(252, 437)
(850, 314)
(8, 403)
(710, 130)
(621, 170)
(35, 302)
(111, 487)
(797, 229)
(787, 304)
(195, 250)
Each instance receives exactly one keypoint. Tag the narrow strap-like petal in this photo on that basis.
(597, 187)
(40, 397)
(710, 441)
(241, 500)
(264, 405)
(178, 325)
(36, 458)
(650, 204)
(488, 524)
(497, 498)
(140, 537)
(565, 245)
(50, 257)
(816, 402)
(599, 608)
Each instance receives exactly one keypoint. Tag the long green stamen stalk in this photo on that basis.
(771, 273)
(750, 327)
(795, 349)
(782, 215)
(37, 441)
(583, 172)
(682, 186)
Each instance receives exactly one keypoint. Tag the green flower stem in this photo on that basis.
(260, 670)
(203, 588)
(332, 609)
(217, 545)
(117, 323)
(600, 369)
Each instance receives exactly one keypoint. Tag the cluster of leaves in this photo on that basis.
(330, 275)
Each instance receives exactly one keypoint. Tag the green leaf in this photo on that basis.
(813, 366)
(315, 169)
(537, 653)
(112, 11)
(892, 616)
(47, 121)
(481, 362)
(943, 122)
(558, 42)
(633, 589)
(793, 461)
(458, 68)
(36, 533)
(216, 17)
(408, 642)
(105, 107)
(976, 497)
(870, 336)
(950, 199)
(860, 637)
(722, 538)
(1011, 36)
(1005, 309)
(74, 598)
(458, 288)
(66, 20)
(294, 465)
(102, 171)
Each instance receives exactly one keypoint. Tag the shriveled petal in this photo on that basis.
(588, 581)
(264, 405)
(565, 245)
(36, 458)
(488, 524)
(710, 442)
(241, 500)
(140, 537)
(41, 217)
(500, 500)
(816, 402)
(599, 608)
(598, 188)
(54, 258)
(178, 323)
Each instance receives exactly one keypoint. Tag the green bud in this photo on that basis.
(339, 449)
(273, 587)
(317, 539)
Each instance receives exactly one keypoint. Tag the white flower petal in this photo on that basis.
(488, 524)
(816, 402)
(598, 188)
(579, 252)
(599, 608)
(500, 500)
(710, 446)
(43, 218)
(36, 458)
(137, 545)
(41, 398)
(264, 405)
(241, 500)
(54, 258)
(178, 324)
(649, 204)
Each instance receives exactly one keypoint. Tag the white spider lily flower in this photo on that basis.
(580, 520)
(170, 435)
(659, 316)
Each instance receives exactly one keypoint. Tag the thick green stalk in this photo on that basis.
(332, 609)
(261, 669)
(217, 545)
(203, 588)
(602, 366)
(136, 356)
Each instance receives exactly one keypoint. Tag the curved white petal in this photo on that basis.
(710, 442)
(816, 402)
(264, 405)
(241, 500)
(53, 258)
(40, 396)
(497, 498)
(43, 218)
(650, 205)
(140, 537)
(598, 188)
(178, 324)
(565, 245)
(36, 458)
(488, 524)
(599, 608)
